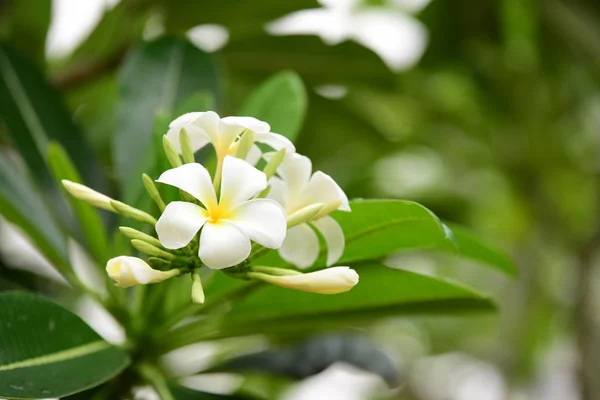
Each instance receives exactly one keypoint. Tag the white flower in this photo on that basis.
(297, 189)
(130, 271)
(327, 281)
(228, 224)
(396, 37)
(208, 127)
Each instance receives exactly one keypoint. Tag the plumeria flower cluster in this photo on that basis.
(227, 220)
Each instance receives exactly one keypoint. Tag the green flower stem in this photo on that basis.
(218, 173)
(275, 271)
(156, 379)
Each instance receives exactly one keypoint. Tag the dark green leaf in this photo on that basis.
(182, 393)
(87, 216)
(381, 292)
(49, 352)
(34, 115)
(155, 78)
(314, 356)
(199, 101)
(470, 246)
(376, 228)
(281, 101)
(21, 205)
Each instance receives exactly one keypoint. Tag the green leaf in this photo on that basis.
(22, 205)
(313, 356)
(281, 101)
(88, 217)
(183, 393)
(381, 292)
(470, 246)
(47, 351)
(376, 228)
(155, 78)
(199, 101)
(33, 114)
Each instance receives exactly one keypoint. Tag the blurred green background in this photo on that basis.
(487, 112)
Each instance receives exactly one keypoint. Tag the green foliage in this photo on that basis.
(34, 115)
(155, 78)
(281, 101)
(50, 352)
(382, 292)
(21, 204)
(89, 219)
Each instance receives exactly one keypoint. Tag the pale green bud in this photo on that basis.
(153, 192)
(151, 250)
(88, 195)
(133, 213)
(186, 147)
(197, 290)
(244, 144)
(303, 215)
(171, 152)
(274, 163)
(328, 208)
(135, 234)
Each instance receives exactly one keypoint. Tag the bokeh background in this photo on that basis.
(487, 112)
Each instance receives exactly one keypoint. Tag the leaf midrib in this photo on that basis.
(60, 356)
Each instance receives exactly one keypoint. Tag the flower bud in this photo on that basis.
(328, 208)
(303, 215)
(197, 290)
(186, 146)
(88, 195)
(153, 192)
(135, 234)
(131, 271)
(151, 250)
(132, 212)
(327, 281)
(171, 152)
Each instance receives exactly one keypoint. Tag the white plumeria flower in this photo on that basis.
(327, 281)
(228, 224)
(297, 189)
(131, 271)
(396, 37)
(208, 127)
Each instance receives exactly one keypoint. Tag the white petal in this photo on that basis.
(295, 171)
(223, 245)
(254, 155)
(250, 123)
(194, 179)
(278, 191)
(210, 123)
(326, 281)
(333, 26)
(300, 247)
(263, 220)
(198, 137)
(179, 223)
(334, 238)
(398, 39)
(240, 182)
(323, 189)
(275, 141)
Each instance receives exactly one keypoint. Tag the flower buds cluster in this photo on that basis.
(222, 214)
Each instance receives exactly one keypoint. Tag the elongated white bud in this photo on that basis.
(88, 195)
(131, 271)
(327, 281)
(303, 215)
